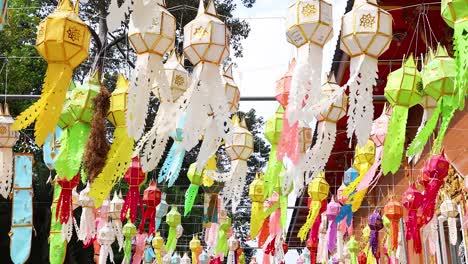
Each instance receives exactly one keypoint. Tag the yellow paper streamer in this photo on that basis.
(313, 212)
(120, 153)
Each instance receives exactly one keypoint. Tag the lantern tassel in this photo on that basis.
(234, 187)
(57, 246)
(374, 243)
(171, 242)
(361, 109)
(6, 171)
(46, 111)
(190, 196)
(313, 212)
(87, 226)
(210, 144)
(139, 248)
(117, 226)
(370, 178)
(149, 215)
(331, 235)
(346, 212)
(394, 229)
(207, 97)
(461, 61)
(448, 111)
(149, 69)
(317, 157)
(127, 251)
(289, 144)
(453, 232)
(418, 143)
(222, 243)
(72, 147)
(393, 150)
(132, 203)
(172, 165)
(427, 115)
(256, 219)
(118, 161)
(274, 169)
(64, 204)
(67, 228)
(305, 83)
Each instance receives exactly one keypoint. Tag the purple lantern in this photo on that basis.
(333, 208)
(375, 225)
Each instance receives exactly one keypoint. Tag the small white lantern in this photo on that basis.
(177, 76)
(232, 90)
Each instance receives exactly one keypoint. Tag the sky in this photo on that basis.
(265, 60)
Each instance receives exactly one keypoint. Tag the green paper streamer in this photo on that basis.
(57, 246)
(284, 210)
(171, 242)
(460, 40)
(393, 149)
(190, 196)
(448, 111)
(73, 142)
(222, 246)
(423, 136)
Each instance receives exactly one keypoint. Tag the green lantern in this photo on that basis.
(76, 124)
(275, 169)
(403, 91)
(196, 180)
(438, 77)
(129, 230)
(455, 14)
(173, 220)
(66, 118)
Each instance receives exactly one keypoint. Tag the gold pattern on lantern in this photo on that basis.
(200, 32)
(179, 80)
(73, 34)
(3, 130)
(309, 10)
(367, 21)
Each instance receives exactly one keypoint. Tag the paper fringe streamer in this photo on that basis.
(317, 157)
(139, 248)
(313, 212)
(6, 171)
(46, 111)
(87, 220)
(460, 40)
(57, 246)
(393, 150)
(190, 196)
(172, 164)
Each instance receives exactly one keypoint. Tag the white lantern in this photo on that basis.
(449, 209)
(115, 208)
(8, 138)
(87, 230)
(232, 90)
(317, 157)
(151, 35)
(177, 76)
(309, 26)
(206, 45)
(106, 237)
(366, 33)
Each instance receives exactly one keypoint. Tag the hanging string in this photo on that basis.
(6, 82)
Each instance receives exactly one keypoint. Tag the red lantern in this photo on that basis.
(64, 204)
(393, 210)
(362, 258)
(436, 167)
(152, 198)
(412, 201)
(134, 177)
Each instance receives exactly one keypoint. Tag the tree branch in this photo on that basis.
(125, 56)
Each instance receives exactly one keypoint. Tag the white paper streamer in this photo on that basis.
(87, 230)
(6, 171)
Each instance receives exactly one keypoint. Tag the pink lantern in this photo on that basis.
(412, 201)
(333, 208)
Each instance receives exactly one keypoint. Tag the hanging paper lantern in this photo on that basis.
(283, 85)
(309, 28)
(175, 259)
(196, 248)
(177, 76)
(375, 224)
(438, 77)
(222, 243)
(87, 230)
(366, 33)
(378, 135)
(412, 201)
(211, 198)
(318, 190)
(22, 225)
(353, 248)
(350, 175)
(403, 91)
(185, 259)
(173, 162)
(129, 231)
(394, 212)
(275, 168)
(257, 194)
(8, 138)
(161, 210)
(152, 198)
(317, 157)
(203, 258)
(362, 258)
(115, 209)
(149, 255)
(106, 237)
(64, 206)
(196, 180)
(119, 156)
(455, 12)
(151, 32)
(333, 208)
(134, 177)
(231, 89)
(158, 245)
(435, 169)
(64, 32)
(206, 45)
(239, 146)
(140, 242)
(449, 209)
(173, 219)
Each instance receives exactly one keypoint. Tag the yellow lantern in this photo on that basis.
(364, 156)
(177, 76)
(309, 26)
(63, 41)
(232, 90)
(206, 45)
(257, 194)
(158, 246)
(366, 33)
(151, 32)
(196, 248)
(317, 157)
(8, 138)
(119, 156)
(318, 191)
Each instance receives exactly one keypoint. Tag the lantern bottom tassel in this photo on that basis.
(313, 212)
(393, 150)
(190, 196)
(118, 161)
(423, 135)
(317, 157)
(6, 171)
(46, 111)
(460, 39)
(172, 165)
(171, 242)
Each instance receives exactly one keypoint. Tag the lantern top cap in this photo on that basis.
(441, 51)
(210, 9)
(66, 5)
(409, 62)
